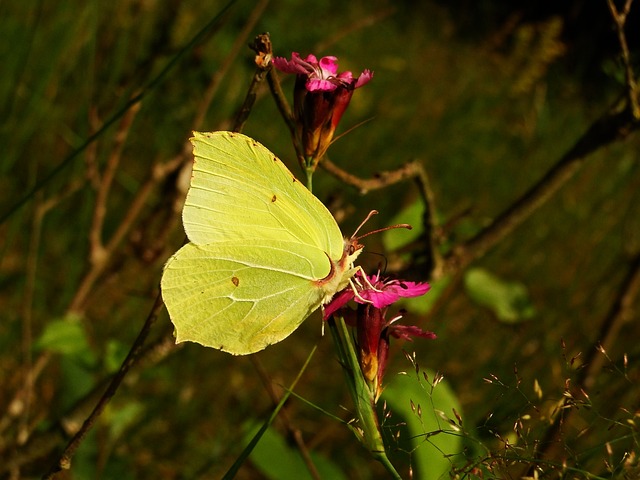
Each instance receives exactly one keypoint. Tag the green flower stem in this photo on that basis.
(309, 169)
(368, 428)
(309, 174)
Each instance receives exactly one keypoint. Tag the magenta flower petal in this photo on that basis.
(345, 77)
(386, 292)
(338, 301)
(379, 299)
(311, 58)
(329, 66)
(373, 331)
(405, 332)
(320, 84)
(364, 78)
(408, 289)
(295, 65)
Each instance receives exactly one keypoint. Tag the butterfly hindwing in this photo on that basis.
(241, 297)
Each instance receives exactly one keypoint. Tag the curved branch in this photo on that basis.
(614, 125)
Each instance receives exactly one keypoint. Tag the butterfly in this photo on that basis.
(263, 253)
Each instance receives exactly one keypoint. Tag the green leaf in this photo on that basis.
(68, 338)
(433, 436)
(508, 300)
(279, 461)
(399, 237)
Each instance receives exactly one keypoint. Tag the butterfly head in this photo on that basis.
(353, 247)
(343, 269)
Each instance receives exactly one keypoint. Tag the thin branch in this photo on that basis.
(21, 401)
(92, 172)
(159, 171)
(282, 104)
(413, 170)
(620, 18)
(621, 312)
(97, 251)
(614, 125)
(262, 46)
(27, 320)
(64, 461)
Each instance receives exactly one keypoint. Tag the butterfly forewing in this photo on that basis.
(239, 189)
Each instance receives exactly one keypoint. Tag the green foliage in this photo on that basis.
(509, 301)
(278, 460)
(115, 353)
(78, 362)
(67, 337)
(397, 238)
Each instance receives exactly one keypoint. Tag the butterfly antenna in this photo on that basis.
(371, 214)
(390, 227)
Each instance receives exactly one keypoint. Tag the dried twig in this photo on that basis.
(262, 46)
(283, 107)
(621, 312)
(97, 250)
(620, 18)
(159, 171)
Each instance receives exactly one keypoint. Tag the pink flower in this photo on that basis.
(320, 75)
(374, 296)
(380, 293)
(321, 95)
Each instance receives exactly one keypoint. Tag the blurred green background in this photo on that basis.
(488, 95)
